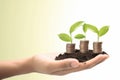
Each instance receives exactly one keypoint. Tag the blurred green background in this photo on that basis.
(27, 28)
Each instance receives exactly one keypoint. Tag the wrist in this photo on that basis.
(33, 64)
(26, 65)
(30, 65)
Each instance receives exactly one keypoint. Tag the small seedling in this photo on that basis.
(100, 32)
(81, 36)
(83, 43)
(70, 48)
(97, 46)
(68, 37)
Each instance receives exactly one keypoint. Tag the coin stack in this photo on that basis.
(97, 47)
(70, 48)
(84, 46)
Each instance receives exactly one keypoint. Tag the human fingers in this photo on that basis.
(84, 65)
(93, 62)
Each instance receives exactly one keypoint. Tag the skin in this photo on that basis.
(41, 64)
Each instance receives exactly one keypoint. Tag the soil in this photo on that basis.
(81, 57)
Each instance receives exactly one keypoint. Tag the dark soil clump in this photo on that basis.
(81, 57)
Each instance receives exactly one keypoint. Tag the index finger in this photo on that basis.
(98, 59)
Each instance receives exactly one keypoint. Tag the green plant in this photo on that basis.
(103, 30)
(81, 36)
(68, 37)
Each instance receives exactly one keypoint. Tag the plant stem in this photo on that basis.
(71, 41)
(85, 37)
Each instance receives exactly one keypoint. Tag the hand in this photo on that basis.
(61, 67)
(47, 66)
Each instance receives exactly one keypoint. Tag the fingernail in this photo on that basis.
(74, 64)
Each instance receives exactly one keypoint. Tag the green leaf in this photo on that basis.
(92, 28)
(85, 28)
(65, 37)
(75, 26)
(103, 30)
(79, 36)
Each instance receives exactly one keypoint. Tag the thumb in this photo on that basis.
(66, 64)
